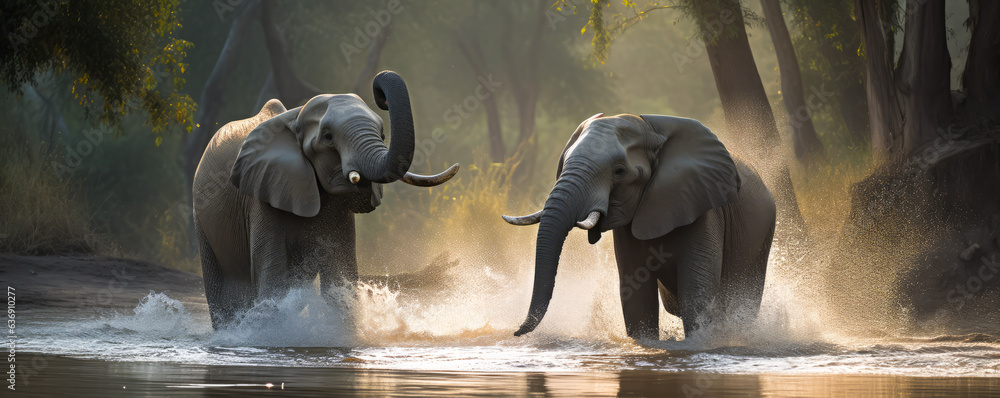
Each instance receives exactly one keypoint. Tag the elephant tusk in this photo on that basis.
(590, 222)
(430, 181)
(529, 219)
(354, 177)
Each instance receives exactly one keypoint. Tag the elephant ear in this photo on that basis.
(572, 141)
(272, 168)
(694, 173)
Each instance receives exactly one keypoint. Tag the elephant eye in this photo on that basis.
(327, 136)
(620, 171)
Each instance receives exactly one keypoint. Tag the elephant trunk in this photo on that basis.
(557, 218)
(388, 165)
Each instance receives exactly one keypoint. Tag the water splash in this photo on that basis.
(156, 316)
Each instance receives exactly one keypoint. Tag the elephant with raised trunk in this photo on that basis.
(273, 191)
(689, 220)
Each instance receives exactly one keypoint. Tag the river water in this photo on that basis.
(449, 331)
(165, 346)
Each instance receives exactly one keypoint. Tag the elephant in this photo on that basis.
(690, 220)
(273, 191)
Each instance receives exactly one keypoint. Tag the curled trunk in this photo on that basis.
(387, 165)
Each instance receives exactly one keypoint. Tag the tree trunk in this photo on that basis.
(981, 79)
(212, 101)
(806, 144)
(853, 103)
(924, 74)
(522, 69)
(884, 112)
(748, 111)
(820, 18)
(291, 89)
(473, 53)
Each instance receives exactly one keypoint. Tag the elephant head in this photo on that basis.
(336, 142)
(654, 172)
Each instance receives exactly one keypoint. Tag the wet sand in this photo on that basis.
(59, 376)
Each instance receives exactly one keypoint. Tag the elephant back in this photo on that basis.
(218, 205)
(224, 146)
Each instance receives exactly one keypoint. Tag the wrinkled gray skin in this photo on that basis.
(275, 190)
(683, 211)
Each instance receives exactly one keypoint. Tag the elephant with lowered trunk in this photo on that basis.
(689, 220)
(284, 185)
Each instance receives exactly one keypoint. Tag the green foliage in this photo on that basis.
(121, 55)
(828, 43)
(602, 39)
(629, 13)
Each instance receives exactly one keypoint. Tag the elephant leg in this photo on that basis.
(638, 287)
(269, 260)
(640, 306)
(699, 269)
(219, 309)
(743, 278)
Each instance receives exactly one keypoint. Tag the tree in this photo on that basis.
(722, 28)
(828, 42)
(121, 54)
(747, 109)
(805, 142)
(522, 70)
(936, 148)
(908, 100)
(533, 55)
(472, 51)
(981, 79)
